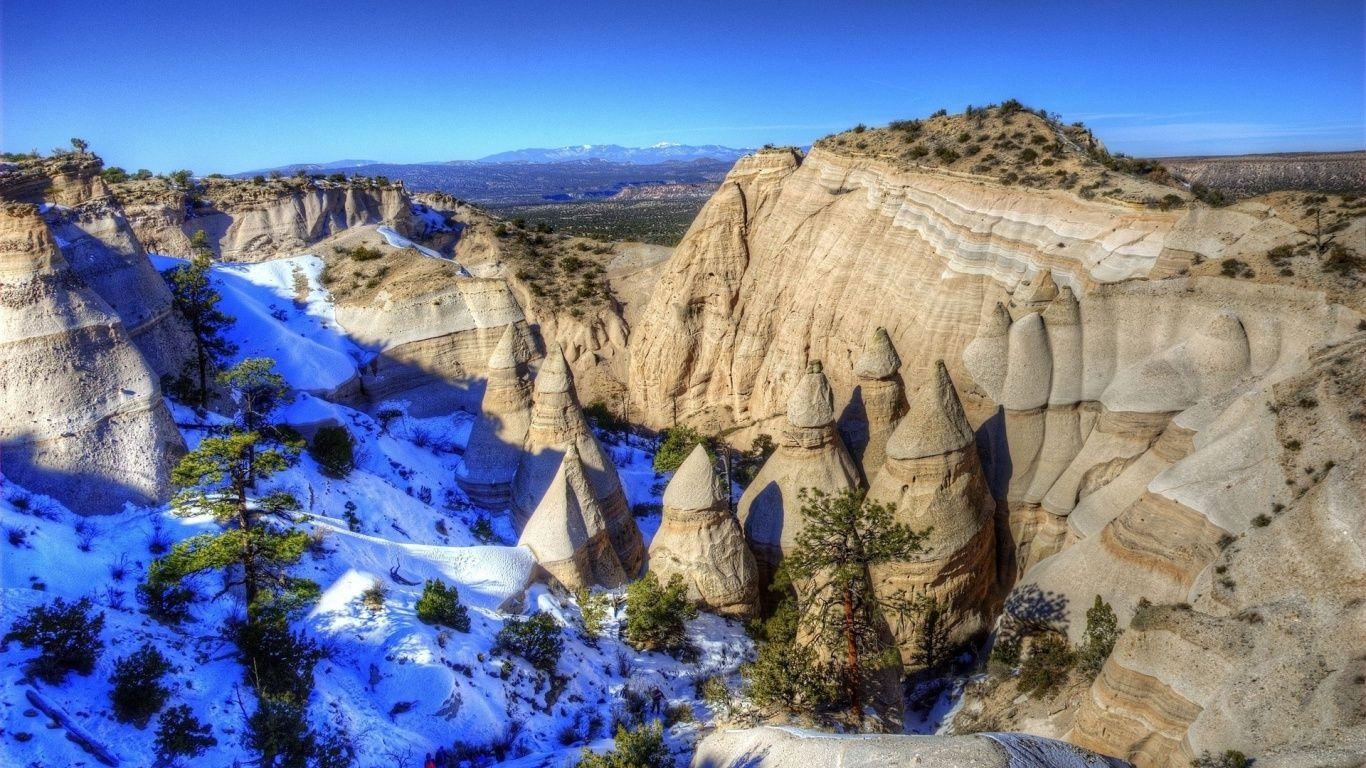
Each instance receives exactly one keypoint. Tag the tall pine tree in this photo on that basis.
(196, 300)
(219, 477)
(845, 535)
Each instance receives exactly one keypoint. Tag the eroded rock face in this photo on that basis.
(567, 531)
(1261, 646)
(934, 478)
(245, 222)
(812, 456)
(558, 421)
(81, 414)
(1125, 400)
(701, 541)
(495, 445)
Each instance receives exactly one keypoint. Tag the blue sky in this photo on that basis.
(233, 86)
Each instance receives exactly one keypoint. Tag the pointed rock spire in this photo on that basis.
(879, 359)
(935, 423)
(557, 420)
(701, 541)
(1029, 365)
(812, 404)
(554, 376)
(811, 455)
(694, 486)
(489, 465)
(934, 478)
(567, 534)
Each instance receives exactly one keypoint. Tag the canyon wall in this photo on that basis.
(1123, 368)
(81, 414)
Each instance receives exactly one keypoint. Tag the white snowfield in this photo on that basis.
(770, 747)
(399, 687)
(399, 241)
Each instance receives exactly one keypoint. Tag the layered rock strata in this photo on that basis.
(773, 747)
(490, 462)
(81, 414)
(810, 456)
(557, 421)
(797, 258)
(567, 532)
(700, 540)
(934, 478)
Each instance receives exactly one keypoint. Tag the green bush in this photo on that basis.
(138, 693)
(640, 747)
(180, 734)
(440, 604)
(785, 675)
(1101, 633)
(66, 635)
(594, 608)
(278, 662)
(536, 638)
(678, 442)
(279, 731)
(334, 450)
(167, 602)
(656, 614)
(1050, 659)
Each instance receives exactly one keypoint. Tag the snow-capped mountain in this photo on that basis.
(662, 152)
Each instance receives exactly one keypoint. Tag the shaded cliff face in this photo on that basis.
(251, 221)
(1122, 366)
(81, 414)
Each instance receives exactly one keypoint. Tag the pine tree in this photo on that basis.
(1101, 633)
(932, 648)
(844, 536)
(218, 477)
(195, 298)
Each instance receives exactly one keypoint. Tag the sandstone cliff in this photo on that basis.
(1118, 354)
(83, 419)
(254, 221)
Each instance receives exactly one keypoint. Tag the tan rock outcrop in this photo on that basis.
(700, 540)
(567, 532)
(81, 414)
(490, 461)
(934, 478)
(556, 421)
(811, 455)
(878, 403)
(248, 222)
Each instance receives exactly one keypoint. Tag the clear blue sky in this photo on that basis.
(246, 84)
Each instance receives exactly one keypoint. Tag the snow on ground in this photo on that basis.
(399, 687)
(284, 313)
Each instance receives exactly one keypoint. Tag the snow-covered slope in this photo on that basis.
(398, 687)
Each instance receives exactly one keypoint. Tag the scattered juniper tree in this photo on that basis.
(657, 614)
(138, 692)
(1101, 633)
(844, 536)
(678, 442)
(196, 300)
(66, 635)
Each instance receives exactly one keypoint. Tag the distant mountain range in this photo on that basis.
(662, 152)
